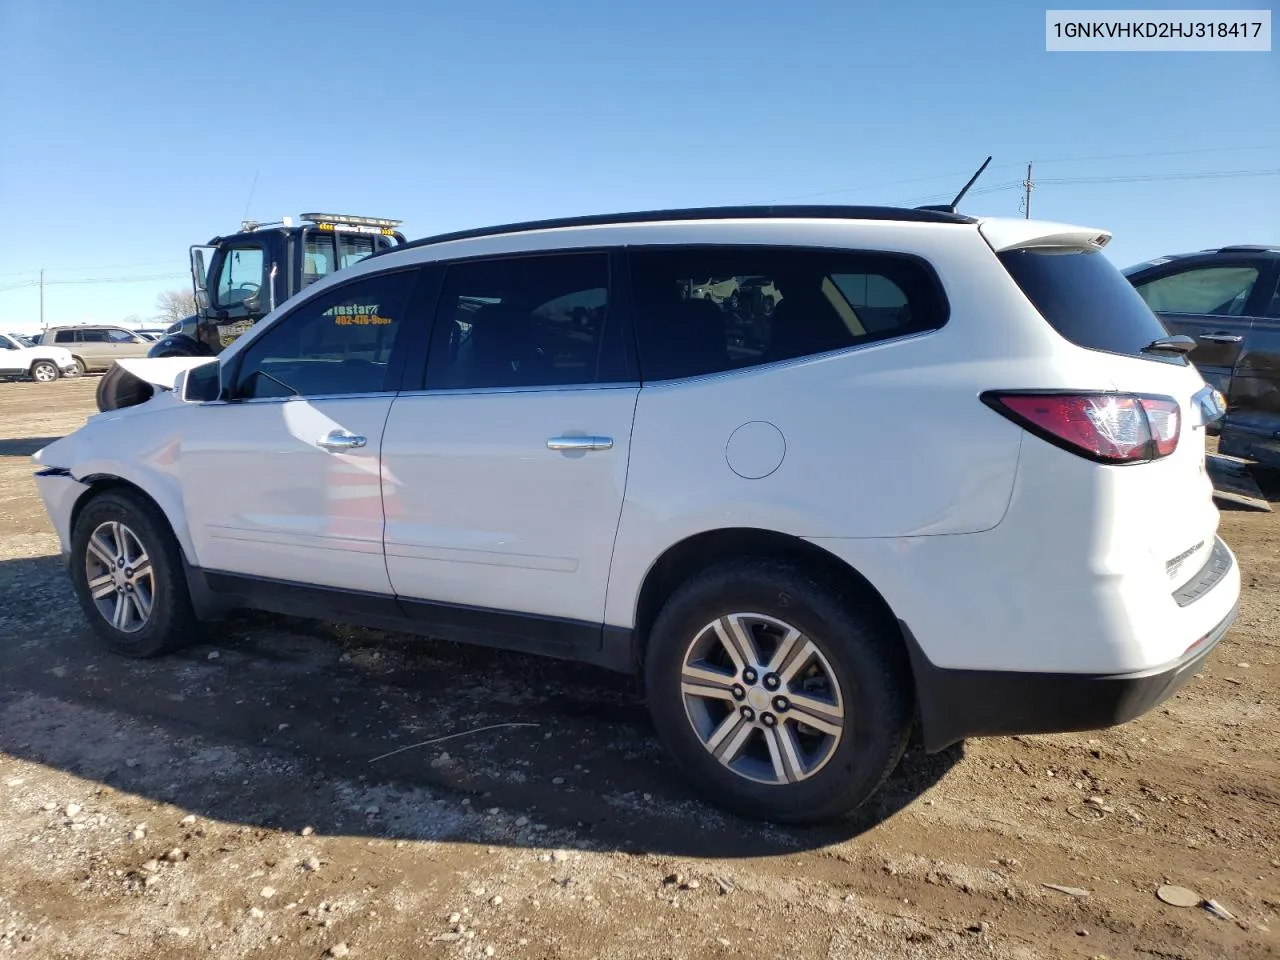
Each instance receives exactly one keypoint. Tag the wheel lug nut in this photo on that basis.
(780, 704)
(749, 675)
(768, 719)
(738, 692)
(748, 714)
(772, 681)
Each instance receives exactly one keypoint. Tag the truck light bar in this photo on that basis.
(341, 218)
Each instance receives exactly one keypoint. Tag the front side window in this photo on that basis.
(708, 310)
(93, 336)
(7, 344)
(1208, 291)
(241, 277)
(121, 336)
(520, 322)
(338, 343)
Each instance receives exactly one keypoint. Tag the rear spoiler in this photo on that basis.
(1009, 234)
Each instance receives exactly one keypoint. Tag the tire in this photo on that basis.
(44, 371)
(171, 622)
(856, 652)
(81, 368)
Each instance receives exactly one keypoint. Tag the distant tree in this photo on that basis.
(132, 320)
(174, 305)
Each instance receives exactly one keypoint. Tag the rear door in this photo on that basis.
(1211, 302)
(93, 346)
(506, 462)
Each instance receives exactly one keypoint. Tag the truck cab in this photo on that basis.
(238, 279)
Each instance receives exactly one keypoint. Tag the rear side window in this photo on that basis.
(1207, 291)
(708, 310)
(65, 336)
(535, 321)
(1087, 300)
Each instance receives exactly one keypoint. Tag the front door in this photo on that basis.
(283, 481)
(1207, 302)
(504, 476)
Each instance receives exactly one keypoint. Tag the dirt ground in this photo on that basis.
(236, 800)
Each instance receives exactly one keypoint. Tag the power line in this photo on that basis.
(87, 280)
(1008, 166)
(1130, 178)
(106, 266)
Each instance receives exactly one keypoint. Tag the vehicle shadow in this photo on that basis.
(284, 723)
(24, 446)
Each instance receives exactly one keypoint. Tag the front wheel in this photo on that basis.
(44, 371)
(126, 568)
(779, 695)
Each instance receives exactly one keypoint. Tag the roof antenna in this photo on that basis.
(951, 207)
(245, 222)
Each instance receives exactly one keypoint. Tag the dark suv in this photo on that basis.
(1228, 300)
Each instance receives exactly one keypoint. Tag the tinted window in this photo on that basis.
(121, 336)
(92, 336)
(520, 322)
(337, 343)
(241, 275)
(1086, 299)
(65, 336)
(317, 257)
(1217, 291)
(701, 311)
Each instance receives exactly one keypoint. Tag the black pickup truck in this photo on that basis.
(1228, 300)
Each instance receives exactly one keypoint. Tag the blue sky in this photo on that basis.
(135, 128)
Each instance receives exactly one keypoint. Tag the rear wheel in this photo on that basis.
(776, 694)
(44, 371)
(81, 368)
(126, 567)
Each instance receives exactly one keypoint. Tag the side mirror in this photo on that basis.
(199, 278)
(201, 384)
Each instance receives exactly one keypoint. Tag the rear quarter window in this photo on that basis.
(705, 310)
(1087, 300)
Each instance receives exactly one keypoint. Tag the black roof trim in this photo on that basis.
(811, 212)
(1247, 248)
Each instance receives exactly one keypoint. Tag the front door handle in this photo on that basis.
(1221, 337)
(580, 443)
(337, 440)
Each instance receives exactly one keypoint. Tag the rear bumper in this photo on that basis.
(955, 704)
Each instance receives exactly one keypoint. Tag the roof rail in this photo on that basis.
(1248, 248)
(772, 212)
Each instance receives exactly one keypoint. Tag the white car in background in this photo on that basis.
(40, 363)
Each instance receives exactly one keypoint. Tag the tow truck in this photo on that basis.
(239, 278)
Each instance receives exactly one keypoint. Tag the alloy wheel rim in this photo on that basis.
(762, 698)
(120, 576)
(44, 374)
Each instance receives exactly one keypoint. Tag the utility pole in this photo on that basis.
(41, 298)
(1026, 185)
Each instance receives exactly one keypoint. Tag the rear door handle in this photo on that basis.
(337, 440)
(580, 443)
(1221, 337)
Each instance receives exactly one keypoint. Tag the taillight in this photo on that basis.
(1104, 427)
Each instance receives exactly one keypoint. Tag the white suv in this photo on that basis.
(953, 476)
(40, 363)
